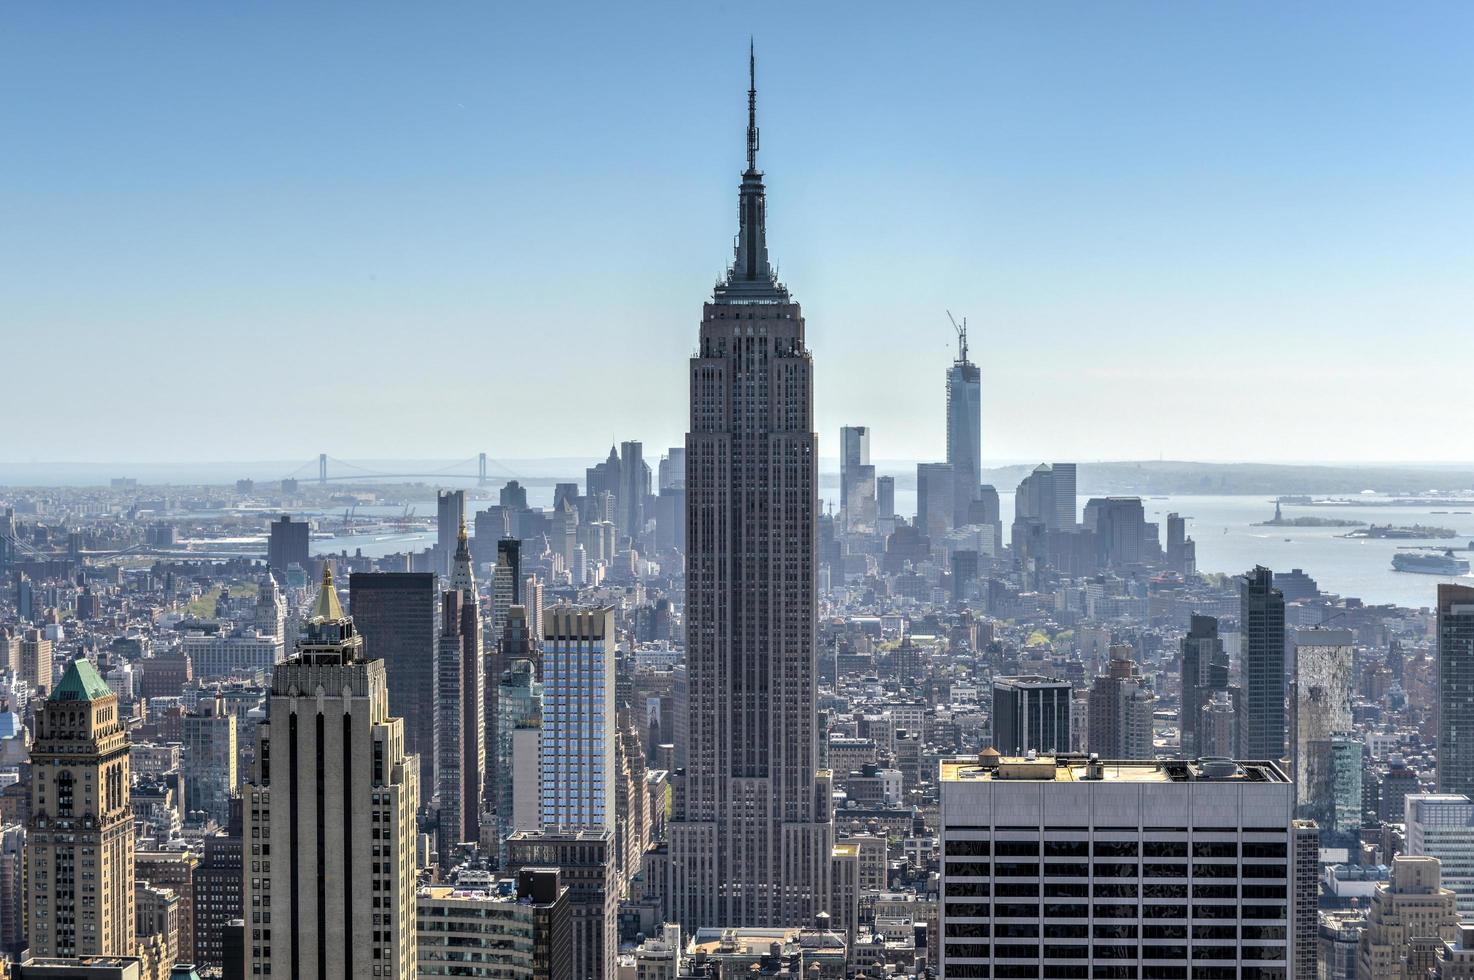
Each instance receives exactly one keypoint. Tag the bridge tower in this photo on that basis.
(322, 468)
(481, 477)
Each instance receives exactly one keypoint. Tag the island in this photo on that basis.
(1280, 520)
(1410, 532)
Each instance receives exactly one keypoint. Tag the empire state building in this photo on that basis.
(752, 830)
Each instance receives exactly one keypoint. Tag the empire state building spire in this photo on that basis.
(752, 137)
(751, 278)
(751, 831)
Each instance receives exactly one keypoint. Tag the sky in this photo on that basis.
(1237, 231)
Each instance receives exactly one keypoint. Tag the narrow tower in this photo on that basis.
(752, 833)
(964, 428)
(460, 701)
(79, 849)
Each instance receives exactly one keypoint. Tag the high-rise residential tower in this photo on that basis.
(1456, 689)
(751, 836)
(964, 428)
(1262, 624)
(333, 803)
(79, 841)
(578, 732)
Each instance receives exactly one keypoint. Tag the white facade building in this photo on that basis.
(1441, 825)
(1086, 868)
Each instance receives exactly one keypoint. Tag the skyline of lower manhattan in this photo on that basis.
(916, 651)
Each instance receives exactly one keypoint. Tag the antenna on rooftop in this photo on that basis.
(961, 336)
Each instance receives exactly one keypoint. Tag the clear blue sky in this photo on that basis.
(1211, 231)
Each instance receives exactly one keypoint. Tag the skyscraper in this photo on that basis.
(334, 800)
(885, 498)
(1062, 479)
(1115, 843)
(210, 758)
(1411, 914)
(519, 731)
(450, 517)
(751, 834)
(1031, 713)
(673, 469)
(1120, 529)
(1203, 669)
(964, 428)
(1456, 689)
(1441, 825)
(1262, 625)
(936, 490)
(506, 583)
(586, 864)
(634, 487)
(79, 840)
(460, 703)
(1320, 707)
(271, 609)
(577, 743)
(1181, 551)
(35, 660)
(396, 613)
(856, 478)
(286, 546)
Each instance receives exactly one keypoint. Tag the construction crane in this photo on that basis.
(961, 336)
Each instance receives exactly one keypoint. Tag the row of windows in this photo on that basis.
(1072, 971)
(1099, 848)
(1081, 889)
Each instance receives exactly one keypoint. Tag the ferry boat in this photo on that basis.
(1430, 563)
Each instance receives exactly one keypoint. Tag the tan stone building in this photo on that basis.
(79, 843)
(175, 871)
(329, 817)
(1411, 918)
(35, 661)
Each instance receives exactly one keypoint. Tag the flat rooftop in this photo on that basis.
(1080, 768)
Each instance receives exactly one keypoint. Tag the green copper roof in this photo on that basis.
(81, 682)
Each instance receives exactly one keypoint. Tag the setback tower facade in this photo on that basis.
(751, 833)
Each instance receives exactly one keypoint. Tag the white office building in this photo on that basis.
(1441, 825)
(1067, 867)
(243, 653)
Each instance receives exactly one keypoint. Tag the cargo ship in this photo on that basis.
(1429, 563)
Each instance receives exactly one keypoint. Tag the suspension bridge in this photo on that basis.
(331, 469)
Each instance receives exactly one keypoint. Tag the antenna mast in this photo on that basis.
(961, 336)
